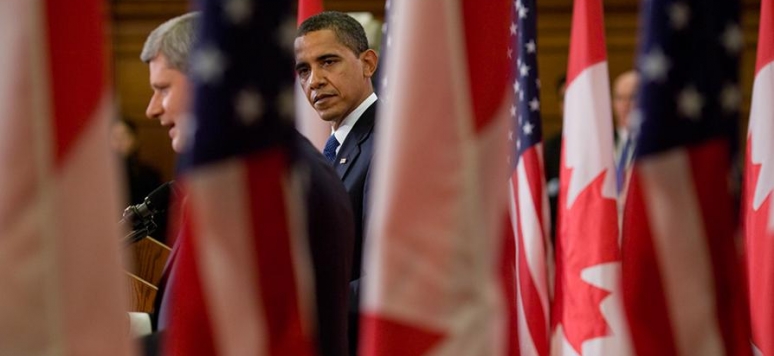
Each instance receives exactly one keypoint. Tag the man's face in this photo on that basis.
(170, 101)
(624, 96)
(335, 80)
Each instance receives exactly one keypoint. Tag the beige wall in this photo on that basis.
(134, 19)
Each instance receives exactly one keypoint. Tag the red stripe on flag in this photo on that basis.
(486, 33)
(534, 167)
(384, 337)
(765, 36)
(190, 329)
(710, 177)
(267, 172)
(588, 37)
(535, 315)
(643, 289)
(75, 41)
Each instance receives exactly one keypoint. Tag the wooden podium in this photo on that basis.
(147, 260)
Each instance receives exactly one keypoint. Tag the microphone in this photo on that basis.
(139, 218)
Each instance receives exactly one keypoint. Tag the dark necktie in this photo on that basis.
(330, 148)
(623, 163)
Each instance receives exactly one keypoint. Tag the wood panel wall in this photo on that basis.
(132, 20)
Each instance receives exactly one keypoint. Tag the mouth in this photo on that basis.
(170, 127)
(321, 99)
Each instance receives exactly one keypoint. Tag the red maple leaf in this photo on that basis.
(587, 236)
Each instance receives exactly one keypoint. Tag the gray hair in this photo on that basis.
(174, 39)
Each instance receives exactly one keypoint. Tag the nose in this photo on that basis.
(317, 79)
(154, 109)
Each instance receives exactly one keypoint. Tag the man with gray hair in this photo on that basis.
(166, 51)
(328, 211)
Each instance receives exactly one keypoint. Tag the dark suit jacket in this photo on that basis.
(353, 164)
(331, 242)
(330, 224)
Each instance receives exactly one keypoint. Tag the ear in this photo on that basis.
(370, 61)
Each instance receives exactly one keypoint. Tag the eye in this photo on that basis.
(328, 62)
(302, 72)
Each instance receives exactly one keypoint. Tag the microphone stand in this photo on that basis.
(137, 235)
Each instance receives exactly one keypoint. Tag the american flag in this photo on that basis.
(683, 286)
(586, 314)
(63, 290)
(241, 282)
(527, 185)
(439, 200)
(759, 184)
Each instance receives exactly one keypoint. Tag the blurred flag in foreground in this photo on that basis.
(683, 288)
(529, 202)
(63, 290)
(241, 284)
(758, 185)
(432, 274)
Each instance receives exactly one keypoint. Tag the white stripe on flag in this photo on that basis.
(219, 200)
(678, 231)
(534, 243)
(587, 116)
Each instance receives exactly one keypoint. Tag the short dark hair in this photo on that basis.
(348, 31)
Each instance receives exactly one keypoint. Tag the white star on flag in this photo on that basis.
(513, 28)
(530, 46)
(528, 128)
(679, 15)
(249, 106)
(655, 65)
(523, 11)
(524, 70)
(286, 103)
(690, 103)
(287, 34)
(208, 64)
(238, 11)
(730, 98)
(534, 104)
(733, 39)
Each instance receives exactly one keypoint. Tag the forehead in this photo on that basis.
(319, 42)
(160, 70)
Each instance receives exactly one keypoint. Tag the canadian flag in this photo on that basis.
(432, 274)
(63, 291)
(587, 317)
(759, 184)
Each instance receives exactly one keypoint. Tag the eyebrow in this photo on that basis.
(320, 58)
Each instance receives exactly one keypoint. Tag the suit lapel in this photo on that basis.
(350, 149)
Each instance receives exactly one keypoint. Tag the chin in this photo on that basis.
(177, 146)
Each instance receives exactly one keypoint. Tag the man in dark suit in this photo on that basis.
(328, 210)
(335, 67)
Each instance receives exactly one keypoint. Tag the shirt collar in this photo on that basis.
(351, 119)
